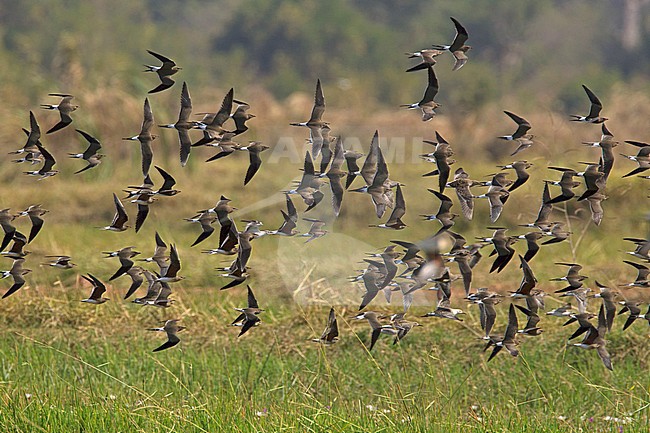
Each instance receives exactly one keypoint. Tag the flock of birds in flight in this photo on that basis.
(425, 261)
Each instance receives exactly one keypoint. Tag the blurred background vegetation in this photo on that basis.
(538, 49)
(528, 56)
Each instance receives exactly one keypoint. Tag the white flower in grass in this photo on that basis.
(625, 420)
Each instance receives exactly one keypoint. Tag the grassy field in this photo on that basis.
(66, 367)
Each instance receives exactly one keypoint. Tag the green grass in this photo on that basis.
(86, 368)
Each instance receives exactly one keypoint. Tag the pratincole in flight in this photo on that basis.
(331, 333)
(89, 155)
(164, 71)
(594, 109)
(171, 327)
(145, 137)
(34, 212)
(98, 290)
(248, 316)
(509, 338)
(16, 273)
(315, 122)
(427, 103)
(65, 107)
(457, 47)
(183, 125)
(119, 220)
(124, 255)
